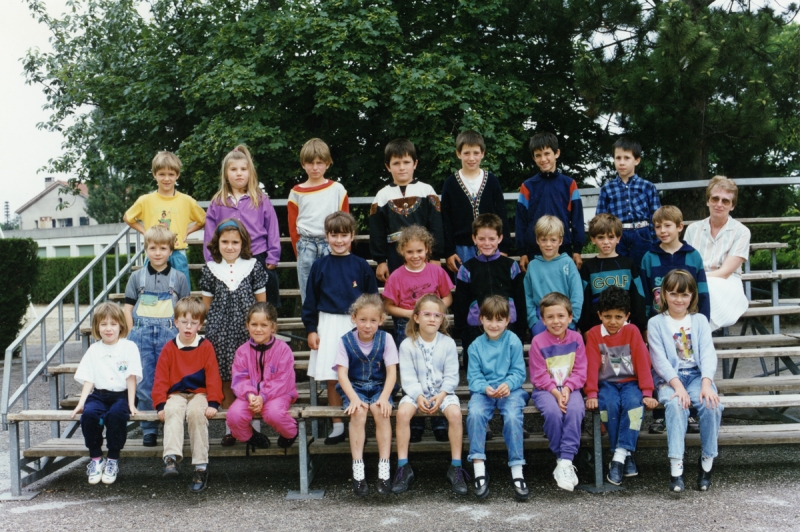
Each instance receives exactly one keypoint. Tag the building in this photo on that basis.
(53, 208)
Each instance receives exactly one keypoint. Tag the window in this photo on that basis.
(86, 251)
(65, 222)
(62, 251)
(41, 253)
(84, 220)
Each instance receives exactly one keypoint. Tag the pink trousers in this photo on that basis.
(274, 413)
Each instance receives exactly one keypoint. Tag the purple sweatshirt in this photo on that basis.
(555, 362)
(269, 374)
(261, 223)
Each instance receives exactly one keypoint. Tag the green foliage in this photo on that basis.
(18, 267)
(56, 273)
(11, 224)
(110, 196)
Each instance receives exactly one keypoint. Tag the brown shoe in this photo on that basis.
(228, 440)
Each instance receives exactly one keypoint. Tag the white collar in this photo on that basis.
(194, 342)
(604, 331)
(232, 274)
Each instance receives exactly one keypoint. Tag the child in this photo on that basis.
(240, 198)
(309, 204)
(496, 373)
(404, 202)
(548, 193)
(466, 194)
(150, 298)
(429, 376)
(608, 269)
(263, 381)
(366, 364)
(231, 284)
(557, 362)
(487, 274)
(108, 372)
(685, 362)
(335, 282)
(631, 199)
(167, 207)
(618, 379)
(551, 272)
(187, 387)
(669, 254)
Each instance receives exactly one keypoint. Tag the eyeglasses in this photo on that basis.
(434, 315)
(680, 295)
(187, 323)
(725, 201)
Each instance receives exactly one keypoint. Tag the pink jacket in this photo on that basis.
(269, 374)
(555, 362)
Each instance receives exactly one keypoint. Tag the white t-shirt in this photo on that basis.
(108, 366)
(474, 184)
(682, 337)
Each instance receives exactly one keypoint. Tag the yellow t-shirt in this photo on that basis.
(175, 213)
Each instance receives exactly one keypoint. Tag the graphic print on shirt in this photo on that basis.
(165, 219)
(616, 361)
(683, 344)
(602, 280)
(560, 367)
(657, 300)
(122, 366)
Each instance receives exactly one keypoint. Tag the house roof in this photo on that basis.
(83, 192)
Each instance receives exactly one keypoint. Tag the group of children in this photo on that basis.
(551, 293)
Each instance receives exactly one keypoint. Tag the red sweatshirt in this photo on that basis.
(620, 357)
(187, 370)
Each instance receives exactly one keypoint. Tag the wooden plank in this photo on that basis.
(769, 245)
(791, 351)
(150, 415)
(760, 340)
(72, 368)
(760, 401)
(759, 312)
(336, 411)
(759, 384)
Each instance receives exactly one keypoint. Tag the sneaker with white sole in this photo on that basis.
(110, 471)
(565, 476)
(95, 470)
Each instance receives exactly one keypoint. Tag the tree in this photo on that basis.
(11, 224)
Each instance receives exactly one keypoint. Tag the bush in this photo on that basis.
(18, 267)
(55, 274)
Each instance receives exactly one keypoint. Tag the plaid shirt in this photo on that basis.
(633, 202)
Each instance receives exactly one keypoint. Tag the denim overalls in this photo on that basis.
(153, 327)
(367, 373)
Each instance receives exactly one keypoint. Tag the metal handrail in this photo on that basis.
(7, 400)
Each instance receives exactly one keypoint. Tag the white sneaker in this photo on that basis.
(564, 476)
(573, 475)
(110, 471)
(95, 470)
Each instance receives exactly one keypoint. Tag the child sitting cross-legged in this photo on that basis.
(429, 375)
(618, 379)
(496, 373)
(558, 371)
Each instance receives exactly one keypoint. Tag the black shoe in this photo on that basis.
(170, 467)
(383, 487)
(520, 489)
(256, 441)
(458, 478)
(149, 440)
(703, 479)
(228, 441)
(676, 484)
(360, 487)
(199, 481)
(658, 427)
(402, 479)
(693, 426)
(482, 490)
(441, 435)
(416, 436)
(615, 472)
(630, 467)
(335, 440)
(285, 443)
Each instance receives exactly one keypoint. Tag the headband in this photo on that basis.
(229, 223)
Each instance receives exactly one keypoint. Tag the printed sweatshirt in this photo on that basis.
(187, 370)
(620, 357)
(657, 263)
(557, 363)
(598, 274)
(664, 354)
(268, 373)
(557, 275)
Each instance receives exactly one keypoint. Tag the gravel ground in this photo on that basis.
(755, 488)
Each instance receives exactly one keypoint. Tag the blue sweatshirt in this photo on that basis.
(657, 263)
(555, 194)
(557, 275)
(494, 362)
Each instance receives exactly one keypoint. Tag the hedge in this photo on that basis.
(18, 268)
(55, 274)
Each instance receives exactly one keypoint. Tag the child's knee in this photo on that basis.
(453, 414)
(405, 413)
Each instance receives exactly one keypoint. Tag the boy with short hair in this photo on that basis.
(487, 274)
(551, 272)
(150, 298)
(557, 361)
(609, 269)
(467, 194)
(404, 202)
(670, 254)
(548, 193)
(618, 380)
(309, 204)
(167, 207)
(631, 199)
(187, 386)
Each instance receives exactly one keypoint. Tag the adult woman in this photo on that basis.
(724, 245)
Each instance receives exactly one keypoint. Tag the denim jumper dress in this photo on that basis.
(367, 373)
(153, 327)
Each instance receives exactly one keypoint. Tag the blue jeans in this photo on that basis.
(635, 243)
(150, 335)
(399, 330)
(308, 250)
(621, 410)
(677, 416)
(465, 253)
(109, 409)
(481, 411)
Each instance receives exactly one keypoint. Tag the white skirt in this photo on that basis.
(728, 301)
(331, 328)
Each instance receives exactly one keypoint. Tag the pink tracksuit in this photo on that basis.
(269, 374)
